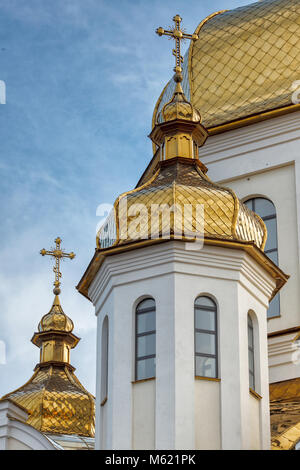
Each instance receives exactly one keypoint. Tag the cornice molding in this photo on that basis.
(213, 261)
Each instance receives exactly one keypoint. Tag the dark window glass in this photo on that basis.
(206, 367)
(251, 353)
(206, 357)
(264, 206)
(205, 343)
(145, 368)
(104, 360)
(274, 307)
(145, 348)
(146, 345)
(271, 243)
(205, 320)
(145, 322)
(266, 210)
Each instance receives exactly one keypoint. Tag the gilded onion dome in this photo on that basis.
(56, 401)
(175, 199)
(181, 186)
(243, 64)
(180, 201)
(56, 319)
(178, 108)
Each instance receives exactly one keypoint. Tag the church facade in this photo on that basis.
(196, 270)
(198, 348)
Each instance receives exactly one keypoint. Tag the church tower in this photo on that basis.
(243, 74)
(181, 287)
(56, 402)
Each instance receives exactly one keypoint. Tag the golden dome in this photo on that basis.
(285, 414)
(243, 63)
(56, 401)
(178, 108)
(56, 319)
(180, 183)
(54, 398)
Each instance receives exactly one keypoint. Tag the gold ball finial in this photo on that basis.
(178, 74)
(177, 18)
(160, 31)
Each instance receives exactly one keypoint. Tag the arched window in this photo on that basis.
(206, 340)
(251, 354)
(104, 360)
(145, 346)
(266, 210)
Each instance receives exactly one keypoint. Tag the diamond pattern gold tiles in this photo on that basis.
(57, 402)
(244, 62)
(285, 414)
(181, 184)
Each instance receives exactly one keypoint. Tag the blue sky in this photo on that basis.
(82, 78)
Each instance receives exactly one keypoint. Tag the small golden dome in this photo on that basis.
(56, 402)
(56, 319)
(178, 108)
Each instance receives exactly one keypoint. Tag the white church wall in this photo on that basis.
(255, 436)
(15, 434)
(14, 444)
(278, 184)
(174, 277)
(207, 409)
(284, 358)
(254, 423)
(143, 420)
(263, 159)
(101, 429)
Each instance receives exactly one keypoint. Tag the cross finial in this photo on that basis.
(58, 254)
(179, 35)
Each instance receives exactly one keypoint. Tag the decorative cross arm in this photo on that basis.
(178, 35)
(58, 254)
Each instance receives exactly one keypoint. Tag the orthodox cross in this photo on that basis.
(179, 35)
(58, 254)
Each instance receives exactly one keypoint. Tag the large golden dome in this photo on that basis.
(243, 63)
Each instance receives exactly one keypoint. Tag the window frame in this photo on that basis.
(104, 360)
(214, 332)
(251, 350)
(139, 311)
(273, 216)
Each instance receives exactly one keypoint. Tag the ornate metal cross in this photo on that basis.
(58, 254)
(179, 35)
